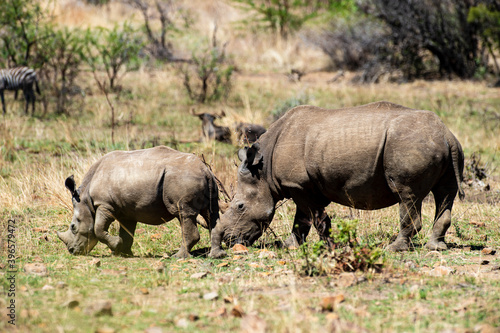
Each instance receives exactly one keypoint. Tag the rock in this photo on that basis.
(36, 269)
(347, 280)
(182, 323)
(99, 308)
(47, 287)
(211, 296)
(199, 275)
(221, 312)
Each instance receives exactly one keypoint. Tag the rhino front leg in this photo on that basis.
(190, 236)
(410, 224)
(103, 220)
(301, 226)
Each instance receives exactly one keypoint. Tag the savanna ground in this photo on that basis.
(267, 289)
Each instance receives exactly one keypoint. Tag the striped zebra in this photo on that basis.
(19, 78)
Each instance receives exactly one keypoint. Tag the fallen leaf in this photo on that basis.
(61, 285)
(281, 262)
(221, 312)
(193, 317)
(239, 249)
(40, 229)
(477, 224)
(488, 251)
(199, 275)
(140, 231)
(36, 269)
(228, 299)
(255, 265)
(144, 291)
(329, 303)
(193, 261)
(44, 237)
(237, 311)
(236, 257)
(441, 271)
(253, 324)
(223, 264)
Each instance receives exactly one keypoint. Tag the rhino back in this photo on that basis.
(341, 155)
(148, 185)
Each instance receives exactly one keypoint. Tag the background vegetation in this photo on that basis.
(113, 76)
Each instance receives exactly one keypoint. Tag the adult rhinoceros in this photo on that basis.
(367, 157)
(151, 186)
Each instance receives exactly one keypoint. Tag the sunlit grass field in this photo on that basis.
(267, 289)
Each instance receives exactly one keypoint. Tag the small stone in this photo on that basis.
(199, 275)
(61, 285)
(100, 308)
(410, 264)
(267, 255)
(154, 329)
(47, 287)
(159, 266)
(211, 296)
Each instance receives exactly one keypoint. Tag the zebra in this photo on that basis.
(19, 78)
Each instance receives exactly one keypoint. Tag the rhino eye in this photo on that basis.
(240, 206)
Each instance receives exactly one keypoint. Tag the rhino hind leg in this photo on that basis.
(443, 196)
(190, 236)
(126, 233)
(410, 210)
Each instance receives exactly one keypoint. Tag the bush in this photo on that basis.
(207, 78)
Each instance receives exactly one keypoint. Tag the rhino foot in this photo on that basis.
(434, 245)
(217, 253)
(398, 246)
(182, 254)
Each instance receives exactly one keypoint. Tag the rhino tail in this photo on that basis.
(457, 156)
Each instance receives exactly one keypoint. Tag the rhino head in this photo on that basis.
(252, 208)
(80, 237)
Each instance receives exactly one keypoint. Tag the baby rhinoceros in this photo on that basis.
(151, 186)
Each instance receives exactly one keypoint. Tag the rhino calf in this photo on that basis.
(367, 157)
(151, 186)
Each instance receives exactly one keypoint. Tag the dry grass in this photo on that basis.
(36, 155)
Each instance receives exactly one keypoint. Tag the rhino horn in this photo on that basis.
(64, 236)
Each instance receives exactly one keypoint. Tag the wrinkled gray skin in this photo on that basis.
(151, 186)
(367, 157)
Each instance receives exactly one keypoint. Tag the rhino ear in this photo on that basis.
(254, 157)
(70, 184)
